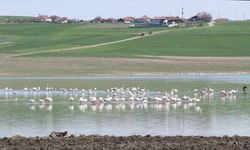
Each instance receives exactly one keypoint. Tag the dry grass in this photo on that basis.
(82, 66)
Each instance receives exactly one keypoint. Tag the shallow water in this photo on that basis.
(214, 115)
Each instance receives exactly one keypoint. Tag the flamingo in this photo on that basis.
(195, 91)
(144, 100)
(83, 100)
(48, 100)
(100, 99)
(71, 98)
(93, 99)
(41, 101)
(108, 99)
(32, 101)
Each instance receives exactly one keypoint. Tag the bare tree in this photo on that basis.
(204, 16)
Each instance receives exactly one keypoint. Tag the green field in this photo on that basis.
(228, 39)
(43, 49)
(33, 37)
(2, 18)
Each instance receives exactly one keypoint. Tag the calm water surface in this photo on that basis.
(214, 115)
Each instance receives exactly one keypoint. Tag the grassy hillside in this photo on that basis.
(227, 39)
(23, 38)
(15, 17)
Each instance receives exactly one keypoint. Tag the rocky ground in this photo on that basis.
(130, 142)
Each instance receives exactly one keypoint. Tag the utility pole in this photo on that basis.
(182, 12)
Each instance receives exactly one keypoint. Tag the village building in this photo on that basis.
(64, 20)
(221, 20)
(158, 21)
(111, 20)
(128, 19)
(120, 20)
(42, 18)
(142, 22)
(175, 20)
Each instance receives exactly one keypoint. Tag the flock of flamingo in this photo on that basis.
(119, 95)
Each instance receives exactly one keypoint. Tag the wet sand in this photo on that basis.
(130, 142)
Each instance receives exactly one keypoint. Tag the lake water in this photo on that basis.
(215, 114)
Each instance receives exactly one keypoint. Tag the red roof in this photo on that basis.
(128, 18)
(43, 17)
(144, 18)
(221, 20)
(159, 17)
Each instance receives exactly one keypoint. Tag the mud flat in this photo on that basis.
(130, 142)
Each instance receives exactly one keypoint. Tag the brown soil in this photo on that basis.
(131, 142)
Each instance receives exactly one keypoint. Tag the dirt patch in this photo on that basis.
(130, 142)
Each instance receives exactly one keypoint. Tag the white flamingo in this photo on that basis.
(41, 101)
(71, 99)
(93, 99)
(48, 100)
(83, 100)
(108, 99)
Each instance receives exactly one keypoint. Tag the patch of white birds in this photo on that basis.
(134, 95)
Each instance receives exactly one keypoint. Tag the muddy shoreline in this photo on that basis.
(129, 142)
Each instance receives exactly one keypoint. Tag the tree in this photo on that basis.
(55, 19)
(204, 16)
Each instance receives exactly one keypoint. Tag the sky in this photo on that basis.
(88, 9)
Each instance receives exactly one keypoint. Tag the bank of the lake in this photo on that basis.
(130, 142)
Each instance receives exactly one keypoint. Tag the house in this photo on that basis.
(111, 20)
(64, 20)
(158, 21)
(221, 20)
(128, 19)
(42, 18)
(98, 20)
(175, 20)
(194, 18)
(144, 21)
(120, 20)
